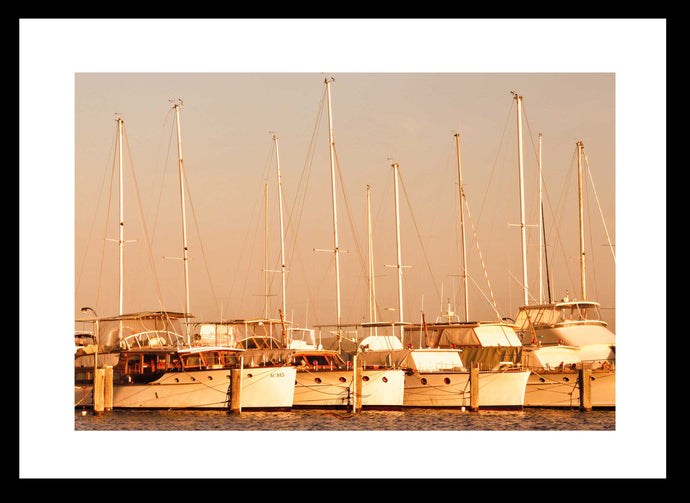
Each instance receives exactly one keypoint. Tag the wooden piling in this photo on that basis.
(585, 385)
(108, 389)
(98, 391)
(474, 387)
(357, 373)
(236, 387)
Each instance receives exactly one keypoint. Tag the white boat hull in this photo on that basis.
(381, 388)
(497, 389)
(261, 388)
(561, 389)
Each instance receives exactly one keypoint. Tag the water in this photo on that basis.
(528, 419)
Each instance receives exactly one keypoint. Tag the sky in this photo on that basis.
(401, 90)
(227, 123)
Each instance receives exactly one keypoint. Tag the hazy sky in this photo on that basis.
(378, 118)
(402, 88)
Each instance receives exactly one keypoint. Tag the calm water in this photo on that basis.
(530, 419)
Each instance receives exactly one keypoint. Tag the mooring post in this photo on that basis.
(108, 389)
(357, 382)
(474, 387)
(98, 389)
(236, 387)
(585, 385)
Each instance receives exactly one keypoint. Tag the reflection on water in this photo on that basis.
(339, 420)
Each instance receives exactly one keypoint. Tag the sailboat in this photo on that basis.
(438, 373)
(371, 387)
(562, 338)
(154, 363)
(323, 378)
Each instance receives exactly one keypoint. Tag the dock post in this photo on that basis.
(236, 387)
(98, 388)
(474, 387)
(585, 385)
(357, 381)
(108, 389)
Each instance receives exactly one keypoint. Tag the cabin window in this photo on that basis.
(298, 360)
(149, 363)
(212, 358)
(133, 364)
(174, 362)
(320, 360)
(192, 361)
(228, 358)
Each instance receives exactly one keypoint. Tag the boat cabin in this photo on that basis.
(559, 314)
(143, 365)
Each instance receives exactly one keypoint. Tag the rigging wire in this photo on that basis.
(608, 238)
(419, 235)
(144, 229)
(93, 220)
(105, 233)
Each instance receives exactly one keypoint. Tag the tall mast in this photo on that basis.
(462, 227)
(121, 241)
(335, 214)
(282, 237)
(541, 216)
(176, 105)
(525, 288)
(397, 240)
(580, 146)
(266, 271)
(370, 253)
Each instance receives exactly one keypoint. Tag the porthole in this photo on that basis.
(250, 375)
(565, 379)
(384, 379)
(210, 378)
(365, 378)
(591, 378)
(317, 380)
(446, 380)
(193, 379)
(342, 379)
(177, 380)
(541, 379)
(423, 380)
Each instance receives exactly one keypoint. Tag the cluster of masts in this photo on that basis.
(177, 103)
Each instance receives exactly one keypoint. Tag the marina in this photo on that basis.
(161, 360)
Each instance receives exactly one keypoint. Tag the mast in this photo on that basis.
(176, 106)
(397, 240)
(335, 214)
(370, 253)
(282, 237)
(266, 271)
(462, 227)
(121, 241)
(541, 217)
(525, 288)
(580, 147)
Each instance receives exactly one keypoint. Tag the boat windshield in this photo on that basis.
(152, 339)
